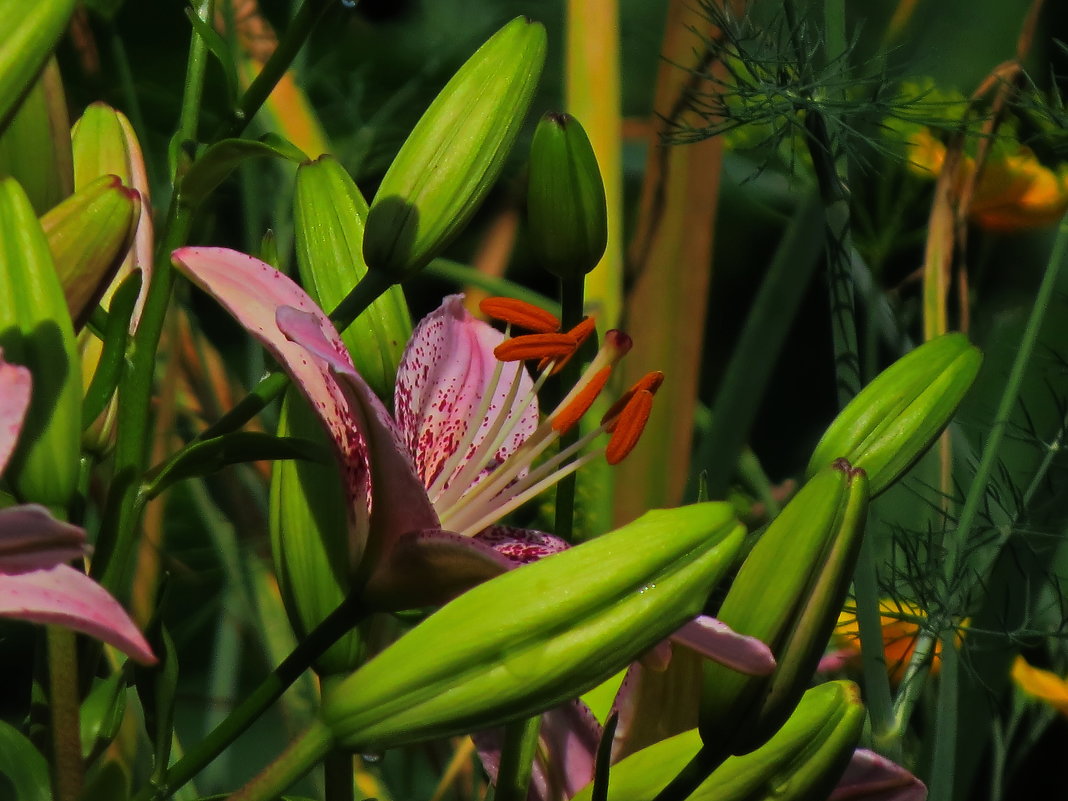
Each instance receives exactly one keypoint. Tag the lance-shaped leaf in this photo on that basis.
(89, 235)
(216, 163)
(30, 35)
(894, 419)
(36, 331)
(803, 759)
(787, 594)
(564, 624)
(329, 217)
(35, 146)
(455, 152)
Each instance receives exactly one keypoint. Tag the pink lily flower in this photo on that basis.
(428, 484)
(36, 584)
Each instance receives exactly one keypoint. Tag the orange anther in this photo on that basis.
(567, 417)
(520, 314)
(581, 333)
(629, 426)
(650, 382)
(535, 346)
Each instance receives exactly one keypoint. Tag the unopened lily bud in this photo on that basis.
(540, 634)
(566, 205)
(311, 545)
(31, 32)
(35, 146)
(786, 594)
(104, 143)
(89, 235)
(897, 416)
(36, 331)
(455, 152)
(329, 216)
(802, 760)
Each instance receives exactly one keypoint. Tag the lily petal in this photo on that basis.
(446, 371)
(15, 382)
(521, 545)
(30, 539)
(569, 736)
(870, 777)
(398, 502)
(67, 597)
(426, 568)
(717, 641)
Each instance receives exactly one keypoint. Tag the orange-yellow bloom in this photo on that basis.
(1015, 191)
(1044, 685)
(901, 627)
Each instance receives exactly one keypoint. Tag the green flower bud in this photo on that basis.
(897, 416)
(566, 206)
(310, 540)
(35, 146)
(36, 331)
(538, 635)
(455, 152)
(89, 235)
(787, 593)
(329, 214)
(31, 32)
(802, 760)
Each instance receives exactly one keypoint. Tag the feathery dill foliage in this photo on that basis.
(761, 76)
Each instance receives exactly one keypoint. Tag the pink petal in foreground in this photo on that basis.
(30, 538)
(566, 757)
(67, 597)
(717, 641)
(446, 372)
(870, 777)
(15, 383)
(398, 502)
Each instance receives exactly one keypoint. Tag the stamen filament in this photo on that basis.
(515, 501)
(570, 414)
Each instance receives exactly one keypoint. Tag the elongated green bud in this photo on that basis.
(566, 206)
(35, 146)
(89, 235)
(36, 331)
(897, 416)
(329, 214)
(802, 760)
(455, 152)
(787, 593)
(540, 634)
(31, 31)
(311, 545)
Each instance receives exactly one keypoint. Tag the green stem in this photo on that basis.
(517, 759)
(63, 700)
(945, 734)
(339, 622)
(310, 748)
(571, 297)
(297, 33)
(338, 773)
(690, 777)
(877, 696)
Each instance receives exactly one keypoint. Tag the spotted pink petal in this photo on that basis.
(566, 757)
(521, 545)
(253, 292)
(30, 538)
(398, 502)
(713, 639)
(871, 777)
(446, 371)
(67, 597)
(15, 383)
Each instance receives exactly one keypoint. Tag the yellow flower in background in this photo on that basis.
(1044, 685)
(1016, 192)
(901, 626)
